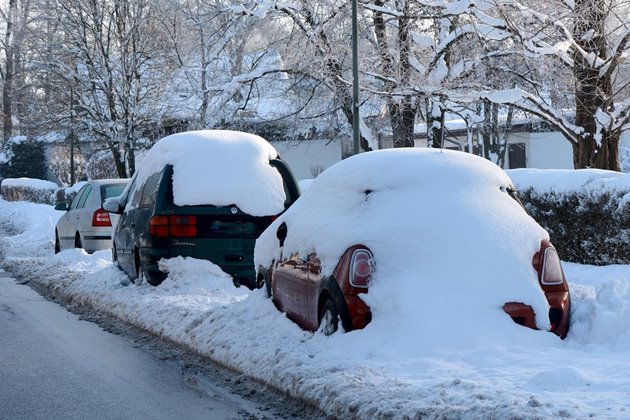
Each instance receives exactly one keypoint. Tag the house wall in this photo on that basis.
(549, 151)
(308, 157)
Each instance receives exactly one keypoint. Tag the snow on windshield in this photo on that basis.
(219, 168)
(450, 246)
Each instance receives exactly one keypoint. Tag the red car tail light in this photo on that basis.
(177, 226)
(361, 268)
(101, 218)
(552, 274)
(158, 226)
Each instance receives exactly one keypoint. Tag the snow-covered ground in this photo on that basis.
(585, 375)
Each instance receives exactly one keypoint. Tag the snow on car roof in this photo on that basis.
(450, 244)
(219, 167)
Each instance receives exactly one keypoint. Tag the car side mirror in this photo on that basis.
(281, 233)
(112, 205)
(61, 206)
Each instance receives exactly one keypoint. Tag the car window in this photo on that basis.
(136, 193)
(85, 196)
(113, 190)
(78, 197)
(150, 190)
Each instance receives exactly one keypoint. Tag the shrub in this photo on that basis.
(586, 213)
(28, 189)
(27, 158)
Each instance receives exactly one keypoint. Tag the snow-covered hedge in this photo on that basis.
(28, 189)
(586, 212)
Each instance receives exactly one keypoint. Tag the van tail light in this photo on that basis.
(361, 268)
(173, 226)
(100, 218)
(158, 226)
(550, 269)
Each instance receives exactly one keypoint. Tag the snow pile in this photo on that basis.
(416, 224)
(233, 168)
(358, 374)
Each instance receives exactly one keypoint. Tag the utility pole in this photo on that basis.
(72, 135)
(356, 130)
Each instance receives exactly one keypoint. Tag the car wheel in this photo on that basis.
(57, 245)
(263, 280)
(114, 254)
(328, 318)
(77, 241)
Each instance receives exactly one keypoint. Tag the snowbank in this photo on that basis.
(583, 376)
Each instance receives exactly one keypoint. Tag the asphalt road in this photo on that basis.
(55, 366)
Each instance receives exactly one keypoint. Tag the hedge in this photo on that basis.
(28, 189)
(586, 212)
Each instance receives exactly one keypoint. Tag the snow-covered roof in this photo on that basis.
(450, 244)
(220, 168)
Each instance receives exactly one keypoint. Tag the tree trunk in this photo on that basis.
(402, 112)
(598, 147)
(7, 89)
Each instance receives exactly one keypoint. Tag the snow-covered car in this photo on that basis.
(85, 224)
(439, 236)
(203, 194)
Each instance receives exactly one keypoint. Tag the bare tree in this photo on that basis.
(117, 67)
(590, 40)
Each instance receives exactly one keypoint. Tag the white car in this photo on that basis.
(85, 224)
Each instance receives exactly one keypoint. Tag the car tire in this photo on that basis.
(328, 318)
(114, 254)
(57, 244)
(263, 280)
(77, 241)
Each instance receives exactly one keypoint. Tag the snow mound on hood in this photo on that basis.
(220, 168)
(450, 245)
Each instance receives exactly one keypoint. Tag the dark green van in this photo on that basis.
(152, 227)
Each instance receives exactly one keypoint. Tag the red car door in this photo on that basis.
(291, 283)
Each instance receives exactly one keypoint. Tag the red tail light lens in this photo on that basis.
(101, 218)
(361, 268)
(158, 226)
(552, 274)
(176, 226)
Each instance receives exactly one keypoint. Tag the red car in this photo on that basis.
(314, 301)
(317, 297)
